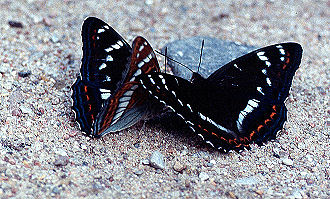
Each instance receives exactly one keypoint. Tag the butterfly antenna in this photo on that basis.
(166, 57)
(200, 57)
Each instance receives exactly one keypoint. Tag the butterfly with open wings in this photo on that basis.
(239, 104)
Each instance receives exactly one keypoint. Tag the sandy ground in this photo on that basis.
(43, 154)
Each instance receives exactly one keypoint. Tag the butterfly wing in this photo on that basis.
(249, 92)
(128, 105)
(104, 67)
(241, 103)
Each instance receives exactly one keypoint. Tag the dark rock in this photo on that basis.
(216, 53)
(24, 73)
(15, 24)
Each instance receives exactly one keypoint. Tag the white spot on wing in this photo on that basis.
(103, 65)
(120, 43)
(138, 72)
(210, 143)
(102, 90)
(180, 102)
(202, 116)
(170, 107)
(251, 105)
(201, 136)
(109, 58)
(259, 89)
(188, 105)
(105, 95)
(123, 104)
(192, 128)
(174, 93)
(152, 80)
(282, 51)
(190, 123)
(140, 64)
(235, 65)
(124, 99)
(264, 71)
(100, 30)
(141, 48)
(268, 81)
(108, 49)
(147, 59)
(116, 46)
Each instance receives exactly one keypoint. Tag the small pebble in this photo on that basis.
(61, 161)
(157, 160)
(287, 161)
(17, 112)
(26, 110)
(24, 73)
(138, 172)
(15, 24)
(179, 167)
(209, 164)
(54, 39)
(145, 162)
(203, 176)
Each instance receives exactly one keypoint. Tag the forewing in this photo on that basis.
(128, 105)
(104, 67)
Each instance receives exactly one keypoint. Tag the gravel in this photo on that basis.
(49, 45)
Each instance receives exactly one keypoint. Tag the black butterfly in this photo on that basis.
(240, 103)
(106, 96)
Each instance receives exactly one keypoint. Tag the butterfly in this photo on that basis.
(239, 104)
(106, 95)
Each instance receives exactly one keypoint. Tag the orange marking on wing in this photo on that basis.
(272, 115)
(94, 37)
(232, 141)
(87, 97)
(215, 134)
(267, 121)
(287, 60)
(85, 89)
(260, 127)
(274, 108)
(224, 139)
(244, 139)
(284, 66)
(252, 134)
(89, 107)
(92, 116)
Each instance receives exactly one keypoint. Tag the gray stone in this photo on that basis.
(287, 161)
(247, 181)
(157, 160)
(203, 176)
(138, 172)
(61, 161)
(216, 53)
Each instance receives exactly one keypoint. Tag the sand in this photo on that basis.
(43, 153)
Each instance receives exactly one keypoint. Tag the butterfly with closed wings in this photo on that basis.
(239, 104)
(106, 96)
